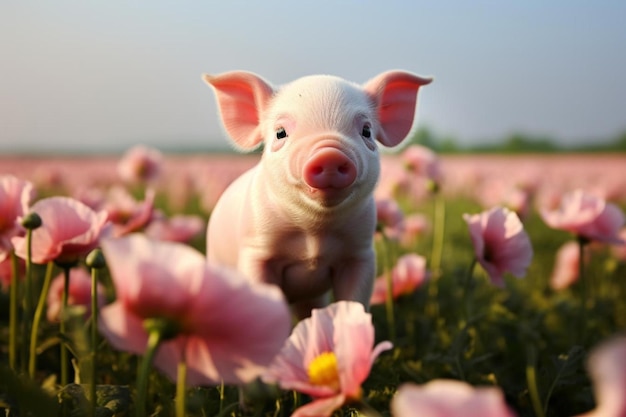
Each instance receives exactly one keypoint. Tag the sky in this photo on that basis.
(78, 76)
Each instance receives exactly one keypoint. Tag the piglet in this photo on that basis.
(304, 217)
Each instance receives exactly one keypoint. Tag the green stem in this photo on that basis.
(531, 381)
(181, 387)
(439, 223)
(366, 410)
(228, 409)
(581, 268)
(155, 336)
(32, 362)
(94, 336)
(391, 322)
(221, 390)
(467, 287)
(439, 216)
(583, 287)
(13, 312)
(64, 351)
(28, 297)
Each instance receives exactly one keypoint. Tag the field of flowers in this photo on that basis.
(501, 291)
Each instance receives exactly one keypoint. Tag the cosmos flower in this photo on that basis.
(328, 356)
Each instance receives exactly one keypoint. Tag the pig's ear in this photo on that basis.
(241, 98)
(395, 97)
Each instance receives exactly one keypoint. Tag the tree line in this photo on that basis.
(515, 143)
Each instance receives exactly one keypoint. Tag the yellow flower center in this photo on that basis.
(323, 370)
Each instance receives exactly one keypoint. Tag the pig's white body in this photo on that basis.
(304, 217)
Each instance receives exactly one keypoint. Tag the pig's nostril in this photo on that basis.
(343, 169)
(317, 169)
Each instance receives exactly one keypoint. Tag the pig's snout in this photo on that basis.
(329, 168)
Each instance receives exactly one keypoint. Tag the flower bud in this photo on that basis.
(95, 259)
(31, 221)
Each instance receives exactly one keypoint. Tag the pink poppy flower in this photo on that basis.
(6, 271)
(79, 293)
(15, 197)
(566, 267)
(390, 218)
(448, 398)
(607, 367)
(587, 216)
(127, 214)
(328, 356)
(507, 194)
(423, 162)
(406, 276)
(93, 197)
(500, 243)
(178, 228)
(140, 164)
(393, 182)
(415, 225)
(228, 328)
(69, 231)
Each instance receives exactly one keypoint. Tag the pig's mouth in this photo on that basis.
(329, 197)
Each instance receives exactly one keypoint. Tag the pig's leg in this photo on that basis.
(252, 265)
(302, 309)
(355, 280)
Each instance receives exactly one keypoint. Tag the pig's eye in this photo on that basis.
(367, 131)
(281, 133)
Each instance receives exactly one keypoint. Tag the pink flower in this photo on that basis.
(69, 231)
(448, 398)
(79, 293)
(228, 328)
(500, 243)
(328, 356)
(127, 214)
(178, 228)
(607, 367)
(566, 267)
(390, 218)
(423, 162)
(140, 164)
(408, 274)
(587, 216)
(502, 192)
(394, 181)
(15, 197)
(415, 225)
(90, 196)
(6, 271)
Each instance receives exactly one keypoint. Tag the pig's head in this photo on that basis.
(319, 132)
